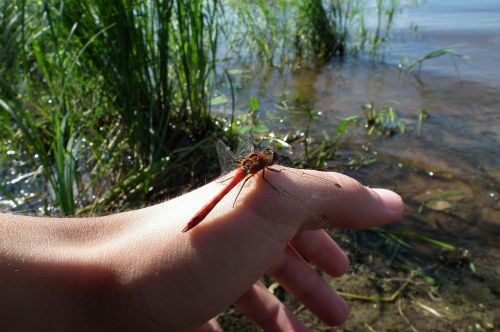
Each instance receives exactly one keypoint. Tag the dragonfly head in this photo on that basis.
(272, 156)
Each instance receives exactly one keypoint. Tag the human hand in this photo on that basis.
(137, 270)
(241, 245)
(301, 281)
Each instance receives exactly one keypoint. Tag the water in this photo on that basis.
(449, 171)
(469, 27)
(458, 147)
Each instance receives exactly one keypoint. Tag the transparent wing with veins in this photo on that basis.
(228, 159)
(245, 145)
(291, 196)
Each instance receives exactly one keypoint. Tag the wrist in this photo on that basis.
(51, 271)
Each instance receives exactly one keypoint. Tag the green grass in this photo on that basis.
(322, 30)
(112, 99)
(297, 32)
(109, 103)
(418, 63)
(109, 96)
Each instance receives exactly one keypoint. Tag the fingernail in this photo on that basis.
(392, 201)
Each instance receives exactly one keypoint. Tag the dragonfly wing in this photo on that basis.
(334, 190)
(227, 159)
(245, 145)
(293, 202)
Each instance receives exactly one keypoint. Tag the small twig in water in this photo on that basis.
(400, 310)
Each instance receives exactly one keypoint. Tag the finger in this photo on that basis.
(307, 286)
(362, 207)
(352, 206)
(210, 326)
(267, 311)
(337, 199)
(318, 247)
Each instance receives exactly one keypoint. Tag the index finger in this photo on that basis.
(356, 207)
(362, 207)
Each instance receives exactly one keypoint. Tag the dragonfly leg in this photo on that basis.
(248, 178)
(274, 170)
(225, 180)
(272, 185)
(241, 188)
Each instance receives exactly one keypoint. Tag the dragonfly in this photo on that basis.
(250, 164)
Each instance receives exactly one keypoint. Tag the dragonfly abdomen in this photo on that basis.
(205, 210)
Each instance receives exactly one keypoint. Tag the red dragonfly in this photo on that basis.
(249, 165)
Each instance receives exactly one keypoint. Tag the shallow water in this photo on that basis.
(449, 172)
(457, 149)
(471, 28)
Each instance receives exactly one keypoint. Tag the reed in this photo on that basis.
(452, 54)
(297, 32)
(155, 58)
(114, 97)
(133, 77)
(322, 29)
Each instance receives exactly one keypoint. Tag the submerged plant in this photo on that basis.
(383, 122)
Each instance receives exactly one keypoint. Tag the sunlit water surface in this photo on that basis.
(454, 159)
(457, 149)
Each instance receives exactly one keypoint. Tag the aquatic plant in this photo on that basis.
(114, 93)
(112, 96)
(296, 32)
(384, 121)
(433, 55)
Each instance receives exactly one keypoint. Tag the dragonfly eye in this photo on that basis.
(273, 154)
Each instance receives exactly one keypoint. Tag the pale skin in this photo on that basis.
(137, 271)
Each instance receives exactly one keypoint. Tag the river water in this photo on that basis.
(448, 171)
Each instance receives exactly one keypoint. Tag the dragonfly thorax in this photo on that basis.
(257, 161)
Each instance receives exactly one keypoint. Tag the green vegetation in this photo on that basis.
(298, 32)
(384, 122)
(109, 105)
(433, 55)
(108, 100)
(111, 97)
